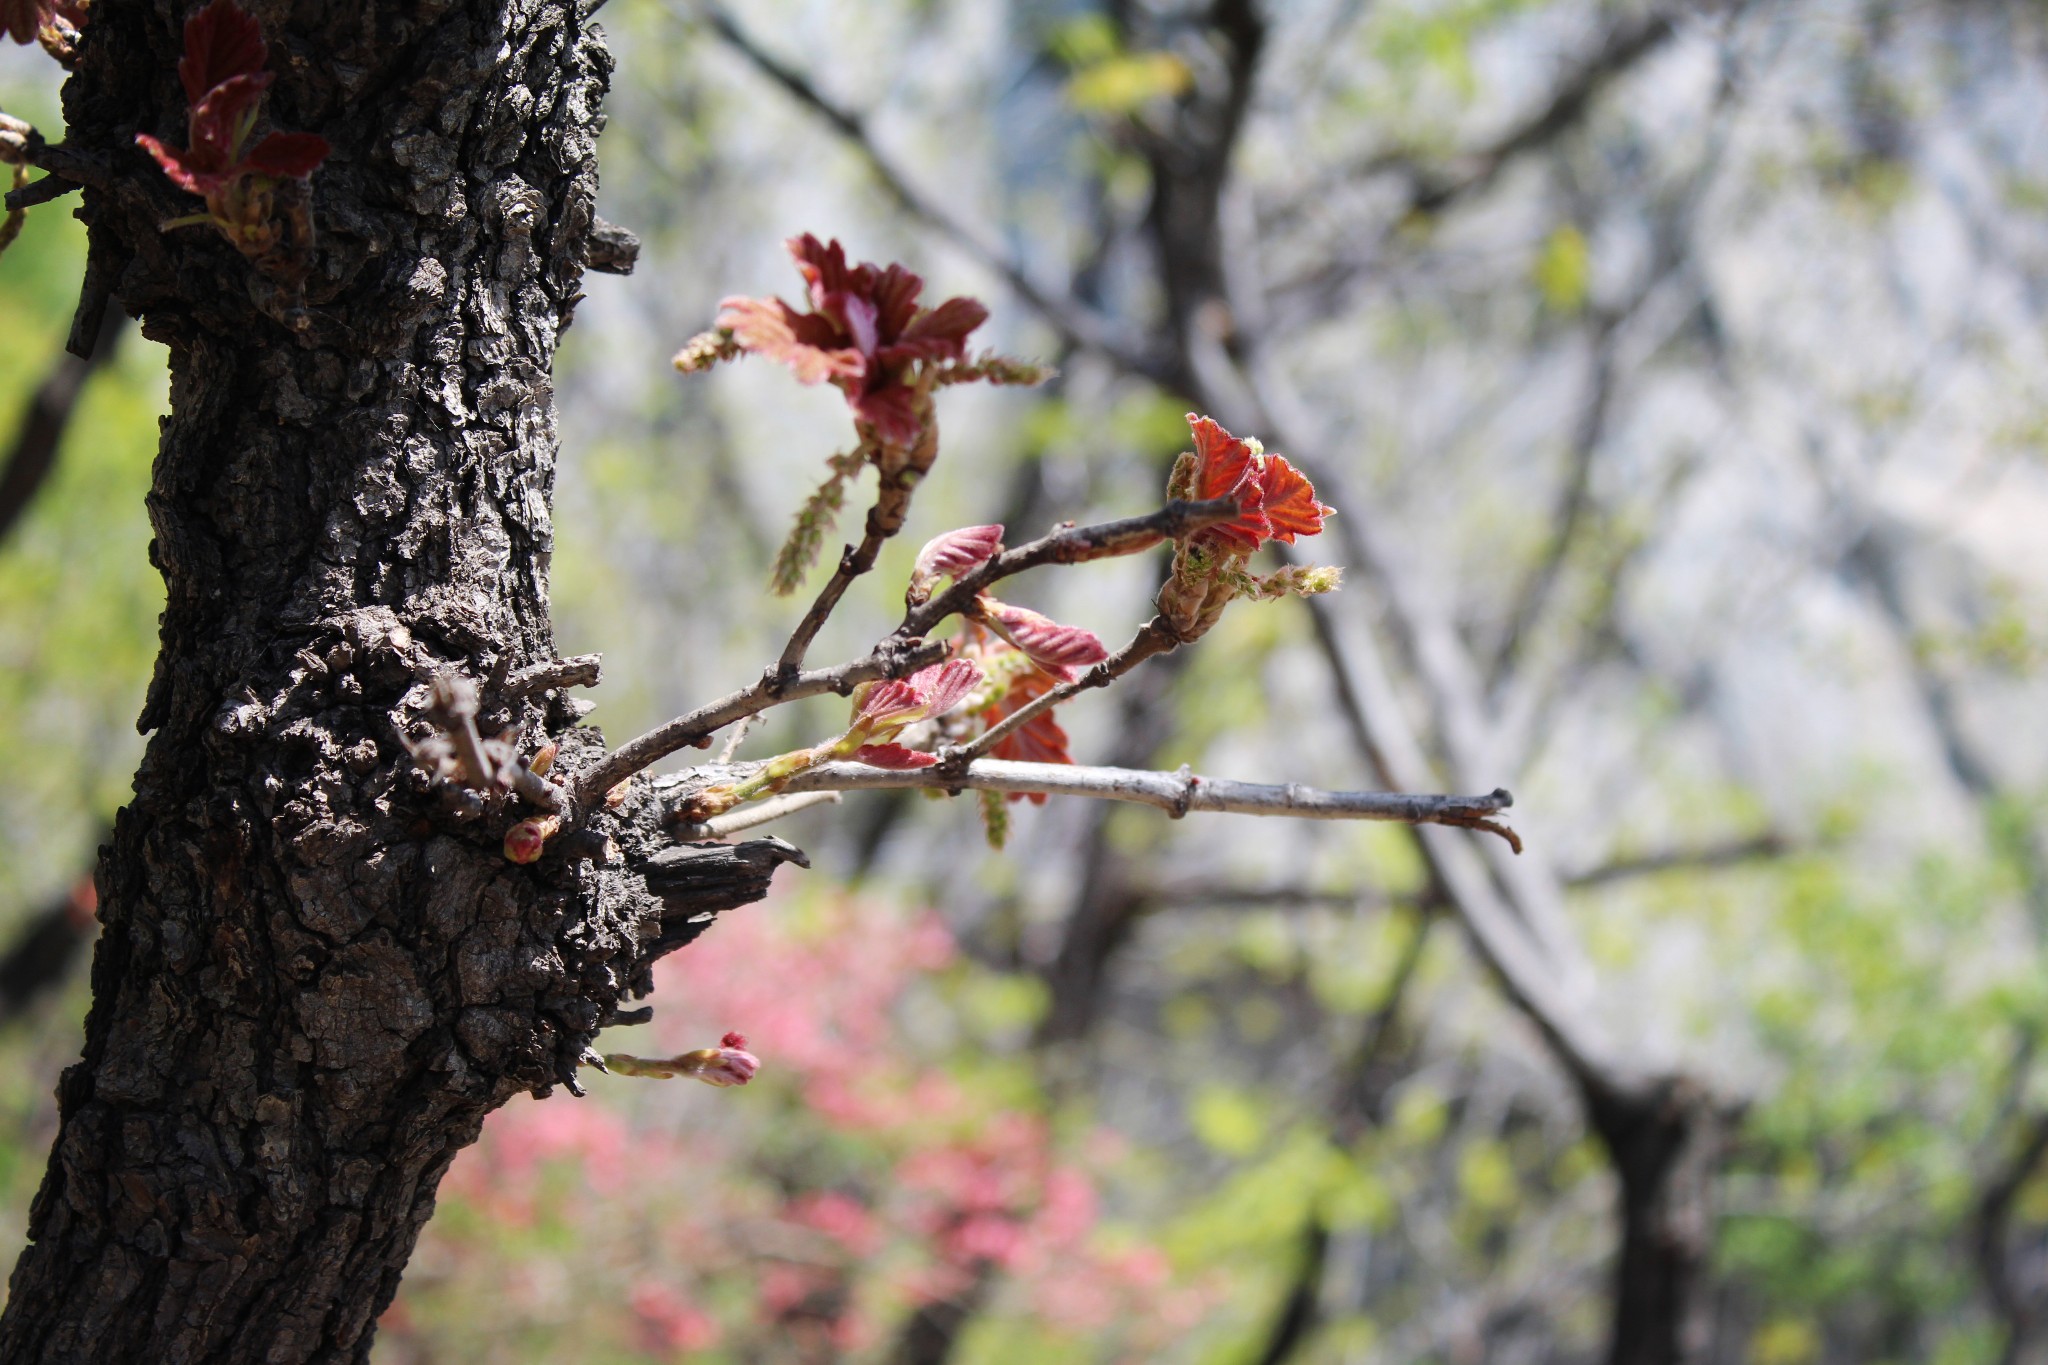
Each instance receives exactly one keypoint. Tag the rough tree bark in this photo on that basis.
(315, 978)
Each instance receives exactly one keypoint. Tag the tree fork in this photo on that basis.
(315, 981)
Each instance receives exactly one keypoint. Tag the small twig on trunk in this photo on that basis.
(581, 670)
(454, 710)
(535, 789)
(1154, 638)
(1176, 793)
(750, 817)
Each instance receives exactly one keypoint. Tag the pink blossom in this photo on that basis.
(841, 1217)
(727, 1064)
(669, 1324)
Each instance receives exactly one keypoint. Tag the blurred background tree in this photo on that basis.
(1678, 376)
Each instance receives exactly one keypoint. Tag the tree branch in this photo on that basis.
(891, 659)
(751, 817)
(906, 649)
(852, 564)
(1469, 172)
(1070, 544)
(41, 434)
(1712, 856)
(1176, 793)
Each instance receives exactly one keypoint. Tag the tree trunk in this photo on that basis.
(1667, 1150)
(317, 974)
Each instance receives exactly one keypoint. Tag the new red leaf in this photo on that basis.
(221, 43)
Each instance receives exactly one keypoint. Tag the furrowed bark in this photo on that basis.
(315, 979)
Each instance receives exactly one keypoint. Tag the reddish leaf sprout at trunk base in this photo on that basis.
(241, 179)
(728, 1064)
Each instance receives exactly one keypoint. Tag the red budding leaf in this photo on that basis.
(1225, 467)
(803, 341)
(222, 72)
(218, 126)
(865, 333)
(21, 19)
(222, 42)
(1288, 500)
(924, 694)
(955, 555)
(287, 155)
(1061, 649)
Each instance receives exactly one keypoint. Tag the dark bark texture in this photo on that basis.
(317, 973)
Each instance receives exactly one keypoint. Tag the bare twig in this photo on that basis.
(1467, 173)
(41, 191)
(535, 789)
(1571, 514)
(1176, 793)
(750, 817)
(735, 739)
(1712, 856)
(852, 564)
(69, 169)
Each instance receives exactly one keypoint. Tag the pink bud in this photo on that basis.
(525, 841)
(730, 1064)
(954, 555)
(1047, 642)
